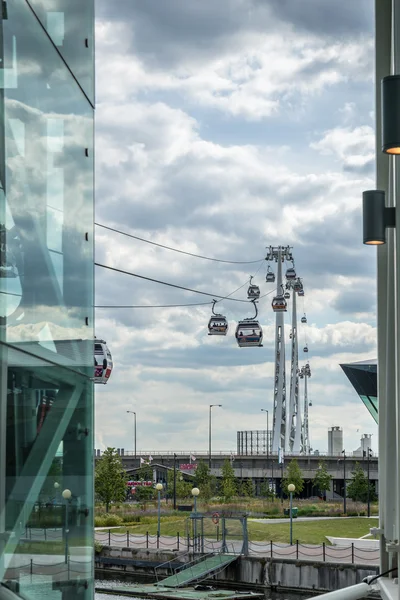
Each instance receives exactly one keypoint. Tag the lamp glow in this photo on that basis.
(195, 491)
(291, 487)
(159, 487)
(66, 494)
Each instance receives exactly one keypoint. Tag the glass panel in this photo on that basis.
(48, 451)
(70, 25)
(46, 316)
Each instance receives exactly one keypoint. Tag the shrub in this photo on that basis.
(107, 520)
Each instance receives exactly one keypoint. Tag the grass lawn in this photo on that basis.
(310, 532)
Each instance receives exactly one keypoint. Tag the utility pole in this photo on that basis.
(344, 482)
(209, 434)
(174, 492)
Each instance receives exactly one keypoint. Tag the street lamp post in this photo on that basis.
(174, 481)
(291, 488)
(159, 488)
(195, 493)
(209, 435)
(134, 428)
(369, 454)
(344, 482)
(66, 494)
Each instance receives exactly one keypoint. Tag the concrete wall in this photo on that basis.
(247, 571)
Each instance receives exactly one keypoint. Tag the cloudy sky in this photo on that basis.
(224, 127)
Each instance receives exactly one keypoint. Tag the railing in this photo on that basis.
(168, 566)
(319, 552)
(231, 454)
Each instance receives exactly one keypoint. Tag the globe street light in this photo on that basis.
(195, 493)
(159, 487)
(66, 494)
(291, 488)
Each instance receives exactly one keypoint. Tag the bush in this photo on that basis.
(107, 520)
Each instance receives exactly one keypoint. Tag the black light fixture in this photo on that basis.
(376, 217)
(391, 114)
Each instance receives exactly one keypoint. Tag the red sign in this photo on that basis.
(188, 467)
(139, 483)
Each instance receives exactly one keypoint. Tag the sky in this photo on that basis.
(223, 128)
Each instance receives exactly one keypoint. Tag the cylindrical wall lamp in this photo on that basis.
(391, 114)
(376, 217)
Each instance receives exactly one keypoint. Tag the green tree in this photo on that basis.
(246, 488)
(204, 480)
(293, 474)
(110, 478)
(228, 482)
(322, 479)
(357, 489)
(183, 488)
(145, 472)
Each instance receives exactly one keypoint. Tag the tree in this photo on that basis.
(110, 478)
(357, 489)
(246, 488)
(183, 488)
(204, 480)
(322, 479)
(293, 474)
(228, 482)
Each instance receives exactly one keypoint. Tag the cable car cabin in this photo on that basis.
(270, 277)
(290, 273)
(286, 295)
(253, 292)
(217, 325)
(300, 293)
(305, 349)
(103, 364)
(304, 319)
(279, 304)
(297, 286)
(249, 333)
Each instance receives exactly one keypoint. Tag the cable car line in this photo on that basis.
(151, 305)
(179, 287)
(135, 237)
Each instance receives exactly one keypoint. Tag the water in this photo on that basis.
(267, 596)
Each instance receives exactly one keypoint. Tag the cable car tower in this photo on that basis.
(293, 428)
(305, 373)
(279, 254)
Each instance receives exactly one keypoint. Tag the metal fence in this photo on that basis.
(319, 552)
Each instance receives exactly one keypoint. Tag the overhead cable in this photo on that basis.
(179, 287)
(135, 237)
(151, 305)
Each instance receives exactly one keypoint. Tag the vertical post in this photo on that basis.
(127, 538)
(368, 494)
(383, 42)
(66, 531)
(147, 539)
(134, 427)
(158, 511)
(109, 537)
(344, 483)
(352, 553)
(323, 551)
(291, 518)
(174, 481)
(177, 540)
(281, 483)
(209, 439)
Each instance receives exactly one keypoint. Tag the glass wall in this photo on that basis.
(46, 300)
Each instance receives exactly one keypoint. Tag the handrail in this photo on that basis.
(169, 562)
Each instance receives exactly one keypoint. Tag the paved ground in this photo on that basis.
(299, 519)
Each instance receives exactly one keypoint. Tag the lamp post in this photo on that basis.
(344, 482)
(266, 411)
(134, 428)
(195, 493)
(159, 488)
(174, 481)
(66, 494)
(369, 454)
(291, 488)
(209, 435)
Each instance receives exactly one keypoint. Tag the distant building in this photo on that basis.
(254, 442)
(363, 377)
(335, 440)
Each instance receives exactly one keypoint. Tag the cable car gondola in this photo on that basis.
(297, 286)
(305, 349)
(286, 295)
(290, 273)
(300, 293)
(253, 292)
(218, 324)
(103, 364)
(270, 276)
(249, 331)
(279, 303)
(304, 318)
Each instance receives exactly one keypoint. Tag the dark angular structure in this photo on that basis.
(363, 377)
